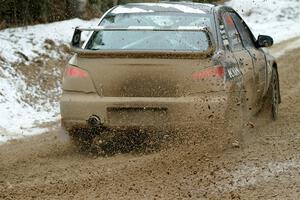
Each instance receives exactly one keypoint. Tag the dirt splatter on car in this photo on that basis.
(168, 66)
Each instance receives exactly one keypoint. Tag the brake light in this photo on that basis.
(75, 72)
(217, 71)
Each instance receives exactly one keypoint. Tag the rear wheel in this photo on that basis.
(274, 94)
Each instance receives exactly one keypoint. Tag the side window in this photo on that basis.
(233, 34)
(244, 31)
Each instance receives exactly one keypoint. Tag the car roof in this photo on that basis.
(165, 6)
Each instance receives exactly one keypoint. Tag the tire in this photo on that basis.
(274, 95)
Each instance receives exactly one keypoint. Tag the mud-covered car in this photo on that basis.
(167, 65)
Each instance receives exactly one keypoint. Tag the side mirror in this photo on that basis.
(264, 41)
(76, 40)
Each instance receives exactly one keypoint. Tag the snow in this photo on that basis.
(122, 9)
(183, 8)
(30, 40)
(277, 18)
(17, 118)
(249, 175)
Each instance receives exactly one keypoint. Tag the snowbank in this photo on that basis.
(22, 45)
(18, 119)
(30, 40)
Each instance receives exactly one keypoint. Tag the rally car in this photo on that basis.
(165, 65)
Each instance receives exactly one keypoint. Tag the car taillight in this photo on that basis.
(75, 72)
(216, 71)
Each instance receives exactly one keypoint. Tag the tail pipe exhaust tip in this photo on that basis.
(94, 121)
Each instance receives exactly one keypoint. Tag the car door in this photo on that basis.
(243, 58)
(258, 57)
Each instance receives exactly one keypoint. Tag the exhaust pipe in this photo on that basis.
(94, 121)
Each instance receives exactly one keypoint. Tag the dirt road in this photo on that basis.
(267, 166)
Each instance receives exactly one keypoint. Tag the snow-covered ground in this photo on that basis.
(22, 45)
(277, 18)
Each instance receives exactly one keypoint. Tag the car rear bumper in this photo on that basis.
(158, 113)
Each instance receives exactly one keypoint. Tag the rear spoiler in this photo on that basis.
(142, 28)
(76, 40)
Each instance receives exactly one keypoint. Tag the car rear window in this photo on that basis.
(152, 40)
